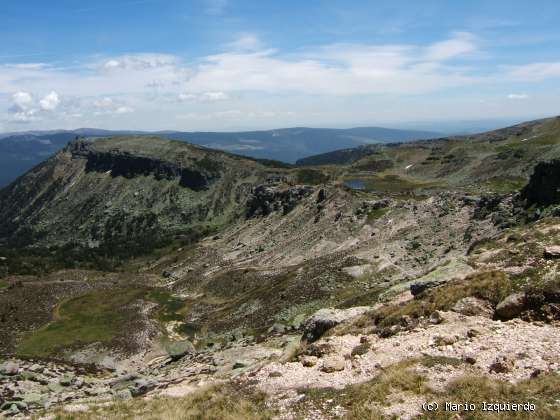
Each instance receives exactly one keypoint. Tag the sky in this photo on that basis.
(222, 65)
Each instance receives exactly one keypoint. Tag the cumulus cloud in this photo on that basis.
(107, 105)
(518, 96)
(50, 102)
(22, 101)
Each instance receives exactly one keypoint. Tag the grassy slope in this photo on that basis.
(225, 402)
(94, 317)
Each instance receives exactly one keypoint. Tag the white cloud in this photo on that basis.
(24, 116)
(262, 84)
(139, 62)
(246, 42)
(214, 96)
(124, 110)
(50, 102)
(22, 100)
(203, 97)
(106, 106)
(103, 103)
(534, 71)
(460, 44)
(187, 97)
(518, 96)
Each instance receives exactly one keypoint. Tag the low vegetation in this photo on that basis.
(541, 391)
(493, 286)
(365, 401)
(401, 382)
(224, 402)
(310, 177)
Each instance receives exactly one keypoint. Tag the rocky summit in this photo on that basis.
(148, 278)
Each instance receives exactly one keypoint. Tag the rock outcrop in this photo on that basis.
(266, 199)
(543, 188)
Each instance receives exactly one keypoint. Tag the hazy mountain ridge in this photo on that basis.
(21, 151)
(503, 155)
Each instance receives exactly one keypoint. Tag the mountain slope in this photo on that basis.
(125, 189)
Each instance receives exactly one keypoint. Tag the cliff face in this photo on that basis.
(543, 188)
(108, 190)
(127, 165)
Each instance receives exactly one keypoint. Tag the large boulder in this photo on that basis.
(552, 252)
(325, 319)
(511, 306)
(472, 306)
(9, 368)
(333, 364)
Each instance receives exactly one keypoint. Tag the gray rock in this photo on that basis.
(277, 328)
(471, 306)
(33, 399)
(123, 394)
(179, 349)
(552, 251)
(36, 368)
(9, 368)
(333, 364)
(67, 379)
(309, 361)
(376, 204)
(511, 306)
(55, 387)
(436, 318)
(14, 406)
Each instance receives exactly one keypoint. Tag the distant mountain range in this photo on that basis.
(21, 151)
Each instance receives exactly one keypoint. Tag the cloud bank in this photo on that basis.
(247, 79)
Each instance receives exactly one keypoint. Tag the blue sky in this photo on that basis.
(227, 65)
